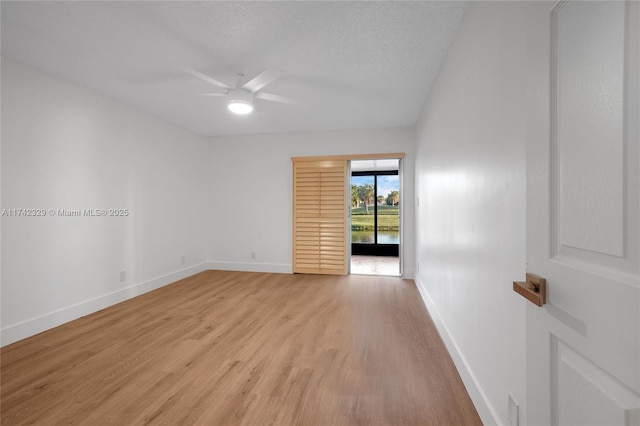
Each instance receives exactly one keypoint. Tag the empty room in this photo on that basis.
(320, 213)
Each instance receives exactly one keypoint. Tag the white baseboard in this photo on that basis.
(280, 268)
(479, 398)
(33, 326)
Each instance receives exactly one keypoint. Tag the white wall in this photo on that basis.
(470, 224)
(251, 191)
(64, 147)
(211, 200)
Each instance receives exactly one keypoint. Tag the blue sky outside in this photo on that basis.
(386, 184)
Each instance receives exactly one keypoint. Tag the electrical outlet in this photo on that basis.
(123, 276)
(183, 260)
(417, 266)
(513, 415)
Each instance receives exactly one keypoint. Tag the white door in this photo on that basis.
(583, 222)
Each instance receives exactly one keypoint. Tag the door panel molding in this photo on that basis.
(592, 181)
(584, 394)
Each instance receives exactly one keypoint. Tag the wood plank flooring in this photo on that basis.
(231, 348)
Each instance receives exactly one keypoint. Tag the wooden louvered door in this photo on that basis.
(320, 216)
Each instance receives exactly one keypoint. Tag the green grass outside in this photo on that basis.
(382, 210)
(364, 222)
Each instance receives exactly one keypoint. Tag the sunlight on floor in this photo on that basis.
(375, 265)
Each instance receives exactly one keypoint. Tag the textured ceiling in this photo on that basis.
(348, 64)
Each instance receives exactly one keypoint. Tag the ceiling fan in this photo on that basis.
(242, 95)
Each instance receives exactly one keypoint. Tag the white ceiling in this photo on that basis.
(350, 64)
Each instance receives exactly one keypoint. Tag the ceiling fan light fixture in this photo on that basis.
(241, 96)
(240, 106)
(240, 101)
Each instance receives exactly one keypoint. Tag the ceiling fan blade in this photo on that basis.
(206, 78)
(275, 98)
(213, 94)
(262, 79)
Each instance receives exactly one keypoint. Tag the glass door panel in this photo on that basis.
(362, 209)
(388, 200)
(375, 219)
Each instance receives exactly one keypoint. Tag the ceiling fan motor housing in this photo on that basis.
(240, 95)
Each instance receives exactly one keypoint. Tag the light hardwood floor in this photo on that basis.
(226, 348)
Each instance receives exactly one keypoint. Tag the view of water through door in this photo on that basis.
(375, 217)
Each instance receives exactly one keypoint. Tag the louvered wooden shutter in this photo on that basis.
(320, 217)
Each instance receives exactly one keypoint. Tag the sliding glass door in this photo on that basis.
(375, 218)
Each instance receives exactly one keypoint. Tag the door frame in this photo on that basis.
(385, 156)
